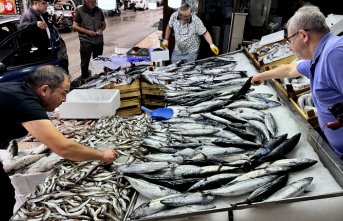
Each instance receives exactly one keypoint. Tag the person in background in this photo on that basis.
(23, 110)
(33, 16)
(90, 23)
(187, 29)
(310, 39)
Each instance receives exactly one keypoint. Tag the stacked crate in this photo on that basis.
(264, 67)
(153, 95)
(130, 98)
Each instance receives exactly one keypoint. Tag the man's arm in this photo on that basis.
(103, 27)
(29, 20)
(209, 40)
(48, 134)
(77, 27)
(283, 71)
(166, 37)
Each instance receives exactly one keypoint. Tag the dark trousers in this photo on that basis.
(86, 51)
(7, 195)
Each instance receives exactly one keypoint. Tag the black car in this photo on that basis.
(22, 50)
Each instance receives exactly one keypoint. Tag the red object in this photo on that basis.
(7, 7)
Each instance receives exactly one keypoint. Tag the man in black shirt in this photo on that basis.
(23, 109)
(90, 23)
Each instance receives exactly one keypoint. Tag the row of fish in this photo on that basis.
(224, 142)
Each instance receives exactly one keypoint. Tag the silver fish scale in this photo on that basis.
(75, 194)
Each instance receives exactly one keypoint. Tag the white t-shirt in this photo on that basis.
(187, 36)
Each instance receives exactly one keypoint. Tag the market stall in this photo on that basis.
(198, 93)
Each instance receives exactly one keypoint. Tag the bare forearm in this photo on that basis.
(78, 152)
(208, 38)
(283, 71)
(167, 34)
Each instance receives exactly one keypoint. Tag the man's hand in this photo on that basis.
(92, 33)
(41, 25)
(214, 49)
(109, 155)
(164, 44)
(99, 32)
(257, 80)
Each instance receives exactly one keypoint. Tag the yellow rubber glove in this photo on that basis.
(165, 44)
(214, 49)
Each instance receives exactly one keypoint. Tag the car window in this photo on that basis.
(32, 45)
(4, 32)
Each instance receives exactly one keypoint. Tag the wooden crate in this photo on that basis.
(135, 86)
(252, 58)
(151, 100)
(308, 115)
(264, 67)
(289, 91)
(274, 64)
(130, 102)
(152, 89)
(129, 111)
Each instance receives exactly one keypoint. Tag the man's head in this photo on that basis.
(90, 4)
(185, 13)
(40, 5)
(305, 29)
(51, 84)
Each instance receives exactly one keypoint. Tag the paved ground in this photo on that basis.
(123, 31)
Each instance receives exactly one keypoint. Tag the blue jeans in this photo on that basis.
(176, 56)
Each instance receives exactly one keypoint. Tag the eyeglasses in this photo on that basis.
(185, 18)
(295, 34)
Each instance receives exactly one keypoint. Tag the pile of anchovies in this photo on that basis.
(72, 129)
(123, 133)
(78, 191)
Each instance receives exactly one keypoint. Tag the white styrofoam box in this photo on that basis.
(90, 103)
(26, 183)
(20, 199)
(162, 55)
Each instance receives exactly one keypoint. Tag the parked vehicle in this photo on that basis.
(129, 5)
(141, 4)
(64, 12)
(22, 50)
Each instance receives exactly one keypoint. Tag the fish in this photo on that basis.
(265, 191)
(149, 208)
(293, 189)
(283, 149)
(271, 124)
(164, 157)
(213, 181)
(22, 162)
(242, 187)
(150, 190)
(187, 199)
(294, 164)
(272, 170)
(260, 127)
(182, 210)
(244, 144)
(147, 167)
(13, 148)
(229, 115)
(266, 149)
(215, 118)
